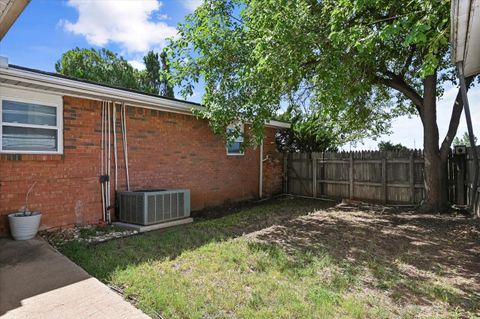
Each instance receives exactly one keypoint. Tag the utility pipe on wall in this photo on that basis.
(109, 161)
(105, 159)
(102, 144)
(260, 178)
(125, 144)
(115, 157)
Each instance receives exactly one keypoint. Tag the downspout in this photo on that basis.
(125, 145)
(463, 89)
(109, 165)
(105, 162)
(115, 145)
(102, 145)
(260, 178)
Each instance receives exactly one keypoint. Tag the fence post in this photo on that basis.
(322, 175)
(314, 174)
(412, 177)
(285, 173)
(384, 180)
(351, 176)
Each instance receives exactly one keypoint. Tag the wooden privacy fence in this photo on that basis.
(388, 177)
(464, 179)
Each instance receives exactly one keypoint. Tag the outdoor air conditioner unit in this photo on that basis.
(147, 207)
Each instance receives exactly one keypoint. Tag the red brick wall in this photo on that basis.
(166, 150)
(272, 165)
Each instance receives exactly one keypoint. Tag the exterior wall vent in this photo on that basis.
(147, 207)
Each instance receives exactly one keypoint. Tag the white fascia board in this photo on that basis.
(459, 20)
(80, 89)
(472, 49)
(10, 13)
(465, 34)
(277, 124)
(93, 90)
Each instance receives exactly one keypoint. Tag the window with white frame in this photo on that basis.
(31, 123)
(235, 147)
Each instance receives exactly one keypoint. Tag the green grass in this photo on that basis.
(209, 270)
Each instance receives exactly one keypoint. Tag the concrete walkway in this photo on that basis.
(38, 282)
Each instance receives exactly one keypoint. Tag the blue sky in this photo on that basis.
(47, 28)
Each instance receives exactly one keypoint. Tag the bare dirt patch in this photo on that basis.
(421, 261)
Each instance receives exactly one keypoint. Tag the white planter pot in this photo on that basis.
(24, 227)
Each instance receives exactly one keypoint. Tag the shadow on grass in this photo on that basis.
(102, 260)
(417, 259)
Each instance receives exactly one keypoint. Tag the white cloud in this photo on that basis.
(139, 65)
(191, 4)
(127, 23)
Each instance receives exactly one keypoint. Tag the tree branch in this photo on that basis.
(454, 121)
(408, 61)
(397, 83)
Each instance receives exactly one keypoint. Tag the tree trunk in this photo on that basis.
(436, 182)
(436, 159)
(436, 192)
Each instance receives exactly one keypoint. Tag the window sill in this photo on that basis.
(31, 157)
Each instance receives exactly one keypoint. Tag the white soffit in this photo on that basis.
(42, 82)
(465, 35)
(9, 12)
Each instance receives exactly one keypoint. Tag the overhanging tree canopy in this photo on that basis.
(357, 63)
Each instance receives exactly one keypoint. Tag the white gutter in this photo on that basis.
(277, 124)
(93, 90)
(64, 86)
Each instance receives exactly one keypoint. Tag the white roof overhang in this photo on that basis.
(9, 12)
(465, 35)
(15, 77)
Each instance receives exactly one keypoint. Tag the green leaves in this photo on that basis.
(106, 67)
(258, 57)
(150, 77)
(389, 147)
(102, 66)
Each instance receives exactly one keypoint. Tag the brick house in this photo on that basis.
(51, 135)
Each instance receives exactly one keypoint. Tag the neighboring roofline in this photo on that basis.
(36, 79)
(11, 12)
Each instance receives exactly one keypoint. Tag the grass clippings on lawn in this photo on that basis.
(297, 258)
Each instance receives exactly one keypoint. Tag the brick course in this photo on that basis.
(166, 150)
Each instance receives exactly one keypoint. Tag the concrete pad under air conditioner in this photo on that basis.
(143, 229)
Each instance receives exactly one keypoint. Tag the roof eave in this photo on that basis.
(11, 12)
(93, 91)
(465, 35)
(277, 124)
(63, 86)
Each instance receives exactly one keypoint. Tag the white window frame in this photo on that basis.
(238, 139)
(33, 97)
